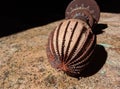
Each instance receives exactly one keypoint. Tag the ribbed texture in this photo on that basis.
(70, 45)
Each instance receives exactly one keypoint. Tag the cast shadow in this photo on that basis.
(98, 59)
(99, 28)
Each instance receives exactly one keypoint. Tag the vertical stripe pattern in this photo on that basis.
(70, 45)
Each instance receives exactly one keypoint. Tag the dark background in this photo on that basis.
(16, 16)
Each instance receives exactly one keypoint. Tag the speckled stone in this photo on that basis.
(24, 64)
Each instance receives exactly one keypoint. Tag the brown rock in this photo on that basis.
(24, 64)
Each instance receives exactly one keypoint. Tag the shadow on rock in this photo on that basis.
(99, 28)
(98, 59)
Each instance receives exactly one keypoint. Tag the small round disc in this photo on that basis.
(82, 15)
(89, 5)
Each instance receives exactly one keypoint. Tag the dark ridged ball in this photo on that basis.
(70, 46)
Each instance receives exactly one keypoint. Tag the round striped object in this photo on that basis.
(70, 46)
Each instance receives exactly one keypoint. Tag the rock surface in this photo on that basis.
(24, 64)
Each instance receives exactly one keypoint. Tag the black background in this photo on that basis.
(16, 16)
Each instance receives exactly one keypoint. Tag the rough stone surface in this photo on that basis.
(24, 64)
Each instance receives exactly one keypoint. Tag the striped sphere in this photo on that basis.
(70, 46)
